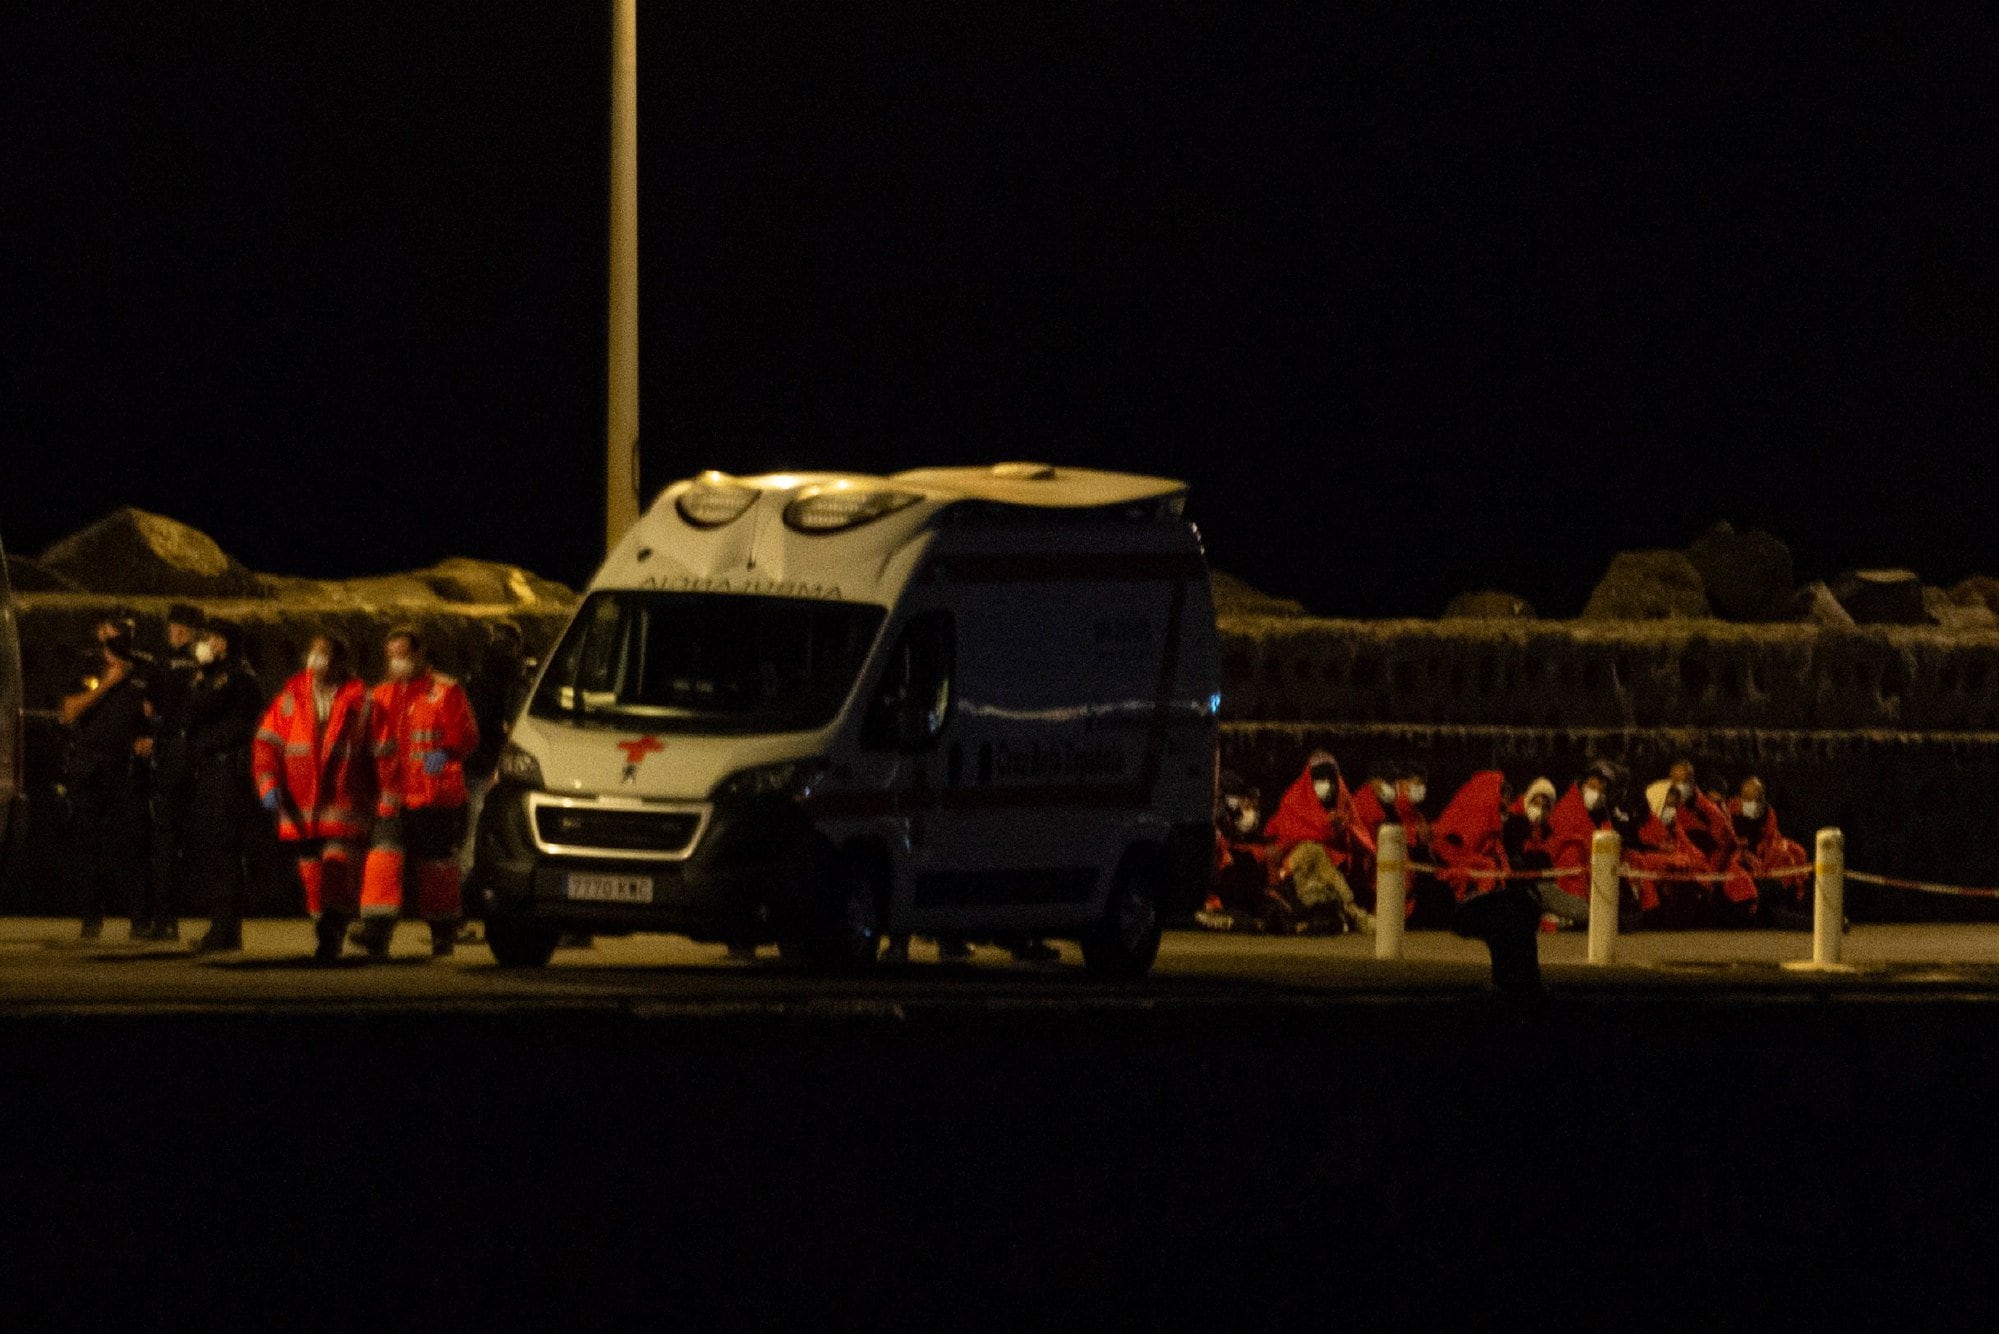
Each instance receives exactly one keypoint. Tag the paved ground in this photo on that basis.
(1265, 1134)
(42, 966)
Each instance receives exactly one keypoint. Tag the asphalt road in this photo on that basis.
(1265, 1134)
(44, 968)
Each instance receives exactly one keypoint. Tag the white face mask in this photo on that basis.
(1245, 820)
(1384, 789)
(1685, 791)
(1668, 814)
(204, 652)
(1752, 809)
(1322, 788)
(1592, 798)
(317, 663)
(1537, 811)
(401, 669)
(1417, 792)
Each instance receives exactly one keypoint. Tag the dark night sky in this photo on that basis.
(1417, 301)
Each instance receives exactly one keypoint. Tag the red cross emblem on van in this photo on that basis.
(635, 754)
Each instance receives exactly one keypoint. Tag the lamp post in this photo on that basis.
(621, 443)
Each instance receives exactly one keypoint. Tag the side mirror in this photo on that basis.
(517, 693)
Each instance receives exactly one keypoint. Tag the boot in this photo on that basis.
(374, 934)
(331, 932)
(443, 939)
(218, 940)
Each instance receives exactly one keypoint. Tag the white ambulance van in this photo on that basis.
(820, 708)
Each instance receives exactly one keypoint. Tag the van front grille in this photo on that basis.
(614, 829)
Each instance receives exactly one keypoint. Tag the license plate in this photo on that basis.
(610, 888)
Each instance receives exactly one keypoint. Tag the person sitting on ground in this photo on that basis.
(1374, 806)
(1581, 814)
(1318, 836)
(1466, 837)
(1429, 899)
(1241, 894)
(1665, 851)
(1530, 840)
(1708, 827)
(1786, 899)
(1701, 817)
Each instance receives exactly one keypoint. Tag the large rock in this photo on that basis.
(486, 583)
(458, 581)
(1943, 610)
(1980, 590)
(1648, 586)
(1882, 597)
(132, 552)
(1488, 605)
(1747, 576)
(1233, 597)
(1815, 604)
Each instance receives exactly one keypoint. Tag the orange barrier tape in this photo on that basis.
(1629, 872)
(1552, 873)
(1924, 886)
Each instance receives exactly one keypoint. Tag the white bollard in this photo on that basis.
(1829, 910)
(1391, 889)
(1606, 851)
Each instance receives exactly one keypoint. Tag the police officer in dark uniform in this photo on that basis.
(173, 780)
(224, 702)
(104, 775)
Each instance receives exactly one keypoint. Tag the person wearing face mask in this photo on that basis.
(1786, 900)
(1663, 848)
(1706, 824)
(1318, 838)
(223, 703)
(1708, 827)
(104, 778)
(1242, 894)
(423, 730)
(1583, 812)
(1429, 899)
(313, 760)
(1374, 805)
(172, 782)
(1529, 839)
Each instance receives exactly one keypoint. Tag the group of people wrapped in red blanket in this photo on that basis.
(1691, 857)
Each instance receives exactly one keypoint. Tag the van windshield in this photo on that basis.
(706, 662)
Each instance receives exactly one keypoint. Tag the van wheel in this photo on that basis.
(849, 933)
(520, 944)
(1126, 942)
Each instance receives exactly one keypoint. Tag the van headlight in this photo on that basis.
(789, 778)
(517, 766)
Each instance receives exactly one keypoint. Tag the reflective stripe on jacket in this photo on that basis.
(323, 773)
(410, 720)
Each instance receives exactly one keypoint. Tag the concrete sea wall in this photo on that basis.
(1890, 733)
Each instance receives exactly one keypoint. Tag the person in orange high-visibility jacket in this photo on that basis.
(422, 729)
(315, 772)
